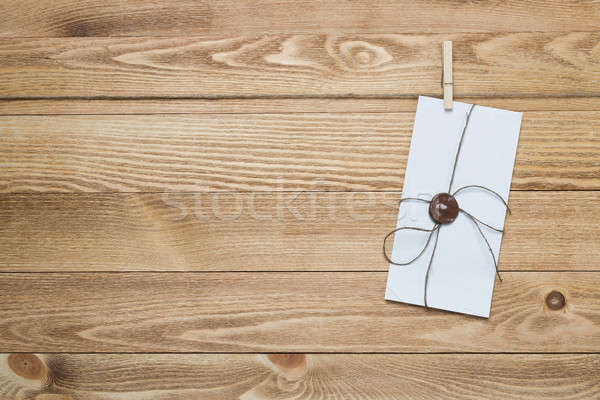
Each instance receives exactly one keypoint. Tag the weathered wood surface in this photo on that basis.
(184, 17)
(276, 105)
(285, 312)
(298, 376)
(264, 152)
(265, 232)
(282, 101)
(372, 65)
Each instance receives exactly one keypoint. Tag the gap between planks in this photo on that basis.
(273, 106)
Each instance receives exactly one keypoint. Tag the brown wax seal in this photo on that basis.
(443, 208)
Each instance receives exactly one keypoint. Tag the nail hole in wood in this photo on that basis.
(555, 300)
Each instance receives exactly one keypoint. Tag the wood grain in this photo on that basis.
(275, 106)
(294, 376)
(216, 177)
(266, 152)
(265, 232)
(185, 17)
(284, 312)
(351, 65)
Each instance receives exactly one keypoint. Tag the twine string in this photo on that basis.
(488, 245)
(431, 232)
(475, 219)
(460, 143)
(487, 189)
(437, 236)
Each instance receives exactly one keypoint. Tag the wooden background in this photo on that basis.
(180, 183)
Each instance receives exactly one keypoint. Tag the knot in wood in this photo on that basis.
(555, 300)
(27, 366)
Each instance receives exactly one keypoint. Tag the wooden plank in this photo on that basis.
(147, 17)
(265, 152)
(287, 376)
(265, 232)
(351, 65)
(285, 312)
(275, 106)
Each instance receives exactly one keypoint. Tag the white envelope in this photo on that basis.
(462, 275)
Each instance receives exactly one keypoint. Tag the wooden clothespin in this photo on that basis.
(447, 82)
